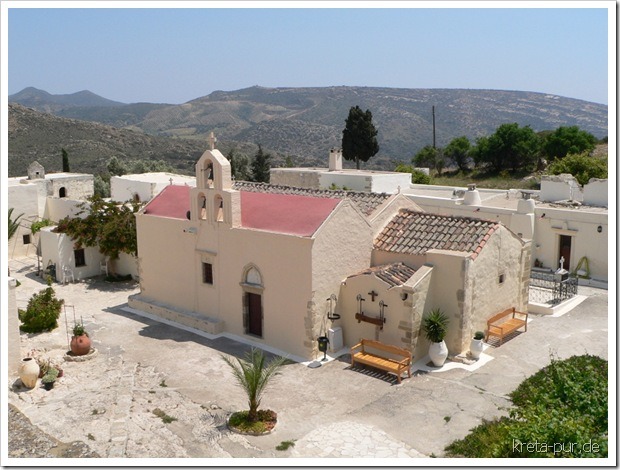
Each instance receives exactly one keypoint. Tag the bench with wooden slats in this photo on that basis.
(370, 354)
(504, 323)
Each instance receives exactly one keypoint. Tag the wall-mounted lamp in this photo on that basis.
(599, 229)
(543, 216)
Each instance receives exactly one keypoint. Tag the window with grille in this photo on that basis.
(207, 273)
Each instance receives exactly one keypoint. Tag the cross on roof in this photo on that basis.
(212, 140)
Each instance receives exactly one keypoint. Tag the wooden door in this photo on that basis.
(255, 309)
(565, 247)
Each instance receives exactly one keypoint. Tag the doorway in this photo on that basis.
(565, 248)
(255, 314)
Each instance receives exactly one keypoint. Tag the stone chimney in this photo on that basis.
(335, 159)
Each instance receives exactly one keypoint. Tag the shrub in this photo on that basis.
(42, 312)
(562, 408)
(419, 177)
(581, 166)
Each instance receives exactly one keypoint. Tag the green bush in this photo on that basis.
(42, 312)
(562, 409)
(581, 166)
(419, 177)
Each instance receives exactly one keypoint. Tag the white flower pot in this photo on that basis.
(438, 352)
(475, 348)
(29, 372)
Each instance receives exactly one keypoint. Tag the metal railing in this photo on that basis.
(550, 288)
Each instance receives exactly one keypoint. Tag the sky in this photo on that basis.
(173, 55)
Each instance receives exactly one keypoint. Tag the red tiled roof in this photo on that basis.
(395, 274)
(285, 213)
(172, 202)
(412, 232)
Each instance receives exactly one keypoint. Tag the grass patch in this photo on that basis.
(164, 417)
(561, 411)
(163, 383)
(285, 445)
(447, 419)
(266, 421)
(90, 437)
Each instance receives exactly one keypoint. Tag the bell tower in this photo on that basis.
(213, 198)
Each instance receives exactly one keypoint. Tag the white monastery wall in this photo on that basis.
(504, 255)
(586, 240)
(122, 189)
(342, 246)
(59, 208)
(596, 193)
(12, 324)
(285, 267)
(295, 177)
(165, 260)
(58, 249)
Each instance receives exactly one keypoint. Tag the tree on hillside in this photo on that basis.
(116, 167)
(65, 161)
(510, 148)
(582, 166)
(260, 166)
(239, 166)
(567, 140)
(359, 137)
(458, 152)
(430, 157)
(108, 225)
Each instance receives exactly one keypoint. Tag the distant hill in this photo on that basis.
(40, 136)
(305, 123)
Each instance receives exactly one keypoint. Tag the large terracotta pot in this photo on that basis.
(80, 345)
(29, 372)
(438, 352)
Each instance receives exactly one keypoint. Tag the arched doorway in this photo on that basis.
(62, 192)
(253, 301)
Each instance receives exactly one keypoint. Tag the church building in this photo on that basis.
(267, 263)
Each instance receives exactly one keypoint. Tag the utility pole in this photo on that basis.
(434, 126)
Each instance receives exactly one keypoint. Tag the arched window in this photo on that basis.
(252, 276)
(209, 174)
(202, 207)
(62, 192)
(218, 208)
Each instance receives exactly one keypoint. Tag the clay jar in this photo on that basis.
(29, 372)
(80, 345)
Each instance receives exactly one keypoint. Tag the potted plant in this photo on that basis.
(435, 327)
(476, 345)
(49, 378)
(80, 341)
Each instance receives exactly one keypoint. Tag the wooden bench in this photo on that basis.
(504, 323)
(375, 358)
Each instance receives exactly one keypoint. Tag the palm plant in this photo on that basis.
(254, 375)
(435, 325)
(13, 224)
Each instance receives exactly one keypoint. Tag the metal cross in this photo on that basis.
(373, 294)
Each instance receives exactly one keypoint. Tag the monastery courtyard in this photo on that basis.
(107, 403)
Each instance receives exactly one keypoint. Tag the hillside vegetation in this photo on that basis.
(304, 123)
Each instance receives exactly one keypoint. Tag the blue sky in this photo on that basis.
(175, 55)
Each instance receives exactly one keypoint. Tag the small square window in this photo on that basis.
(207, 273)
(26, 239)
(80, 257)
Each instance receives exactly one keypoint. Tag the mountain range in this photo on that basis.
(300, 123)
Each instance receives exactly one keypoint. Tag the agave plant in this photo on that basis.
(435, 325)
(254, 375)
(13, 224)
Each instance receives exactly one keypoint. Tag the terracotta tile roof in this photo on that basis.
(365, 201)
(395, 274)
(412, 232)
